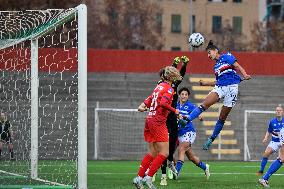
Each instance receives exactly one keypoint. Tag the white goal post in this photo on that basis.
(31, 29)
(82, 96)
(255, 126)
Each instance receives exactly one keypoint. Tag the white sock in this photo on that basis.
(147, 177)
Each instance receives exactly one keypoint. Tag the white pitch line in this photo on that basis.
(13, 174)
(38, 179)
(279, 174)
(51, 182)
(246, 166)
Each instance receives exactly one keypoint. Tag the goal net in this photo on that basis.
(255, 126)
(119, 134)
(43, 80)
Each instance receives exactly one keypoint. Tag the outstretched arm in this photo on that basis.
(176, 61)
(185, 61)
(166, 103)
(242, 71)
(182, 71)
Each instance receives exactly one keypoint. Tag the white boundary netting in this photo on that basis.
(255, 126)
(41, 86)
(119, 134)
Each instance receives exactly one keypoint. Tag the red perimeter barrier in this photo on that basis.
(49, 59)
(56, 59)
(151, 61)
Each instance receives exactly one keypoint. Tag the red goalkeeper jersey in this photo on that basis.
(159, 102)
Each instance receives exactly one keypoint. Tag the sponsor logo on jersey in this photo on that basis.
(183, 111)
(170, 91)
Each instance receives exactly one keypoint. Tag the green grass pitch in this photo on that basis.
(119, 175)
(224, 175)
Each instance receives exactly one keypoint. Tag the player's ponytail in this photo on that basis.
(211, 46)
(162, 75)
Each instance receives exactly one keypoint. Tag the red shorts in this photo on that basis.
(155, 131)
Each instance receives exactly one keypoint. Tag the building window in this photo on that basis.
(192, 25)
(176, 23)
(216, 24)
(237, 24)
(237, 1)
(159, 21)
(175, 48)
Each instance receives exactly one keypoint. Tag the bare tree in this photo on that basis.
(126, 24)
(268, 36)
(36, 4)
(113, 24)
(228, 39)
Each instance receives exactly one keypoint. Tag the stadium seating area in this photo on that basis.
(127, 90)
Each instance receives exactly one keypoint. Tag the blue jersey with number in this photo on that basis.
(274, 128)
(225, 71)
(185, 109)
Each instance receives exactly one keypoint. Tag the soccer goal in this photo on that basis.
(119, 134)
(43, 84)
(255, 127)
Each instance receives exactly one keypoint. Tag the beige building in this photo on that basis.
(208, 18)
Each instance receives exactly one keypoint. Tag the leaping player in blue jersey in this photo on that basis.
(187, 134)
(275, 165)
(274, 145)
(225, 87)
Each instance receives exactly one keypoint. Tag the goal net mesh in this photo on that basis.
(56, 31)
(119, 134)
(257, 124)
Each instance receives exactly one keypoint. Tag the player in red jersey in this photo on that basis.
(155, 131)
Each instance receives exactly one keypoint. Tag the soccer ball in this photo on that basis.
(196, 39)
